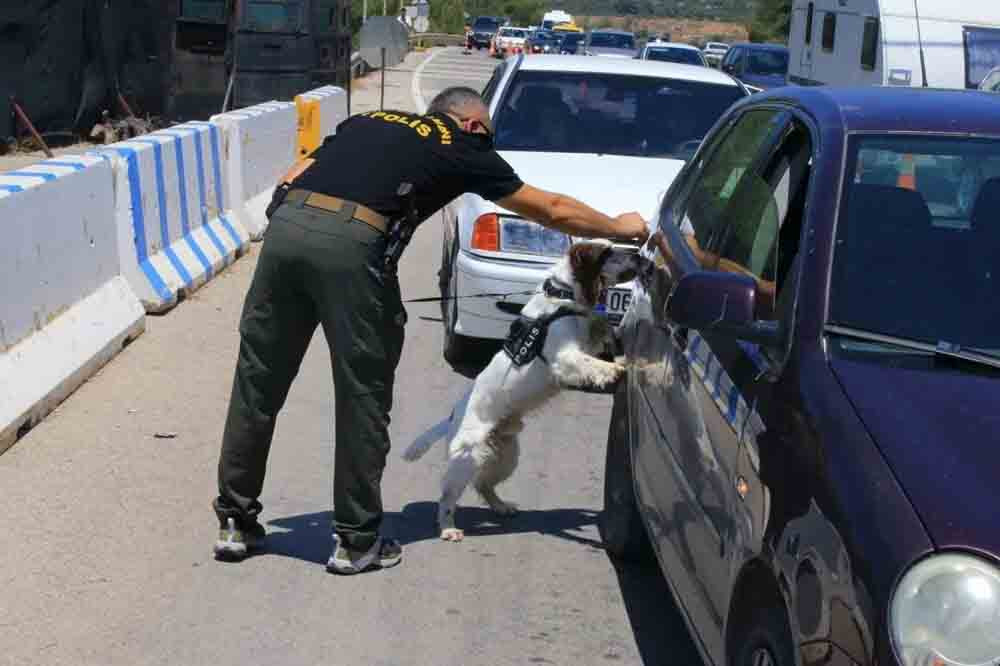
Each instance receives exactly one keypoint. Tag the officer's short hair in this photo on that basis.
(452, 99)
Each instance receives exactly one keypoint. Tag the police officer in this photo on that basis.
(323, 261)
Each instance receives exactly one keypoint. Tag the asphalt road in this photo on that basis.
(106, 529)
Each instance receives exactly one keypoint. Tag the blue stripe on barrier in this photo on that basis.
(161, 193)
(33, 174)
(11, 188)
(185, 221)
(76, 166)
(204, 208)
(218, 243)
(139, 223)
(216, 164)
(201, 177)
(237, 241)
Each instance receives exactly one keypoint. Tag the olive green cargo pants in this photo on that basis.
(316, 267)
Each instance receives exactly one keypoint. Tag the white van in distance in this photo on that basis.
(934, 43)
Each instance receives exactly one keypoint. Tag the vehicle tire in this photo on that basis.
(621, 526)
(458, 349)
(765, 641)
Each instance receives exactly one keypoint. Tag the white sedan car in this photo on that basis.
(714, 53)
(612, 133)
(673, 52)
(510, 40)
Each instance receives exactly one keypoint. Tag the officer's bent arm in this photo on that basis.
(571, 216)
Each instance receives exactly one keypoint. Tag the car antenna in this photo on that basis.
(920, 45)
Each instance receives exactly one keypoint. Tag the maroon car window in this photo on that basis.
(764, 220)
(700, 212)
(918, 241)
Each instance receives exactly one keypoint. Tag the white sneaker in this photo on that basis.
(383, 554)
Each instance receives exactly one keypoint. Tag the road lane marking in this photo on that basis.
(418, 99)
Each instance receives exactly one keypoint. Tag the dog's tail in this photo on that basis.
(422, 444)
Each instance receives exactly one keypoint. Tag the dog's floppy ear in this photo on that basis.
(586, 260)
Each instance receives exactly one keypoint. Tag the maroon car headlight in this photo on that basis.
(946, 612)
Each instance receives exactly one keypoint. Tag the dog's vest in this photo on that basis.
(526, 337)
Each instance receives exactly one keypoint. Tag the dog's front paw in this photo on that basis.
(452, 534)
(611, 376)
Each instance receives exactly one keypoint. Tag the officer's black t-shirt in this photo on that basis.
(373, 153)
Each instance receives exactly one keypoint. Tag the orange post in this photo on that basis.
(907, 173)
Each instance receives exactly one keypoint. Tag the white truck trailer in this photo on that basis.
(934, 43)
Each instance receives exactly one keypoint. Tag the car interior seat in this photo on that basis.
(884, 251)
(535, 101)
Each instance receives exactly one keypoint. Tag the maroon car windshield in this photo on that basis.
(917, 252)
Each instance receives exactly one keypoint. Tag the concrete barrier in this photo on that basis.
(258, 145)
(65, 309)
(175, 226)
(319, 111)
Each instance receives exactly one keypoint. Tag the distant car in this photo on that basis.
(714, 52)
(612, 43)
(484, 29)
(807, 438)
(570, 43)
(684, 54)
(510, 40)
(609, 132)
(762, 66)
(992, 81)
(543, 41)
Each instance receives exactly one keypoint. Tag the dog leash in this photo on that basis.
(504, 295)
(549, 288)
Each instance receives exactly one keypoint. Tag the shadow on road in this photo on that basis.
(307, 536)
(660, 633)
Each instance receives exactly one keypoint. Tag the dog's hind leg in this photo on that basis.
(497, 469)
(461, 469)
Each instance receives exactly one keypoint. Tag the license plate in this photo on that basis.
(617, 304)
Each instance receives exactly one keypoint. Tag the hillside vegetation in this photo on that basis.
(693, 21)
(718, 10)
(689, 31)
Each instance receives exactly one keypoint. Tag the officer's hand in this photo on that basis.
(631, 226)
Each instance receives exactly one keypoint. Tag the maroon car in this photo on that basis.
(808, 440)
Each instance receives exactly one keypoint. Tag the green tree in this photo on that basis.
(771, 22)
(447, 16)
